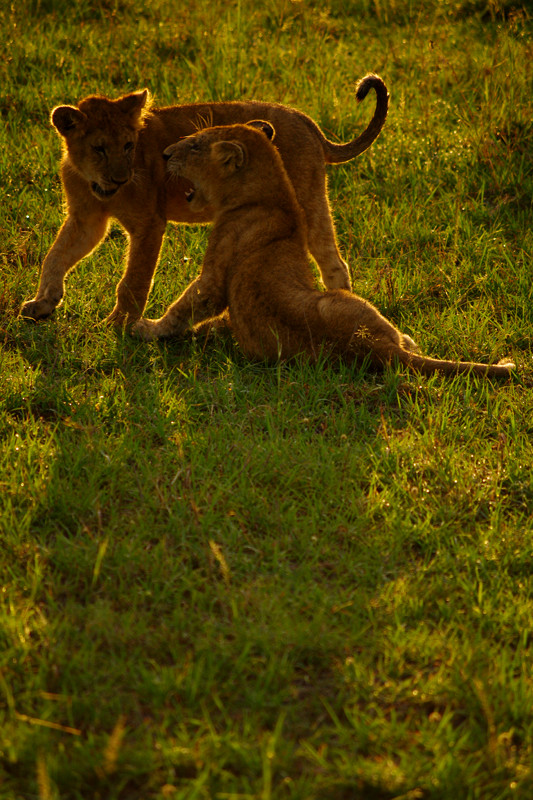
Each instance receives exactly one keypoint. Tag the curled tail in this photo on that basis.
(430, 365)
(340, 153)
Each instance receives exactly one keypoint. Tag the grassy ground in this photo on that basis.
(230, 581)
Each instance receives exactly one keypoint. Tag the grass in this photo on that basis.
(227, 580)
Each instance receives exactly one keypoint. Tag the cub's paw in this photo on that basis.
(120, 319)
(37, 309)
(146, 329)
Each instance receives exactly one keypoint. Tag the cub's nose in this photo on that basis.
(166, 155)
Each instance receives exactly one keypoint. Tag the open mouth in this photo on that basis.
(184, 185)
(99, 192)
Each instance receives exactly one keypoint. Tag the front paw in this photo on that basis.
(37, 309)
(146, 329)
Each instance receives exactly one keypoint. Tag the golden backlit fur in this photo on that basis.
(256, 264)
(113, 169)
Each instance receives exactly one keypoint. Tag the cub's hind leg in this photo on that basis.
(322, 244)
(358, 327)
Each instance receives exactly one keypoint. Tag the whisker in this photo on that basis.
(139, 176)
(202, 121)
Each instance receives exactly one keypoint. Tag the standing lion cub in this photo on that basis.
(112, 169)
(256, 263)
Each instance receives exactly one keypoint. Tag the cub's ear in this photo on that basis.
(263, 126)
(231, 155)
(134, 103)
(66, 118)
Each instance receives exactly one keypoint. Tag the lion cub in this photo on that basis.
(256, 263)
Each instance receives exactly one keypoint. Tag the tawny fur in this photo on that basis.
(256, 265)
(112, 169)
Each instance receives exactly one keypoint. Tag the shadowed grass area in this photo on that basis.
(227, 580)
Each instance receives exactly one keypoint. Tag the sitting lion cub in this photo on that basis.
(256, 264)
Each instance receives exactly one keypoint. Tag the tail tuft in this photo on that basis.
(370, 81)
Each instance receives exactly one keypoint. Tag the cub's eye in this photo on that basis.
(100, 149)
(128, 147)
(195, 147)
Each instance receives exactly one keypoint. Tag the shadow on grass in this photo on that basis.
(204, 546)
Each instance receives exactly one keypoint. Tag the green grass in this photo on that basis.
(223, 580)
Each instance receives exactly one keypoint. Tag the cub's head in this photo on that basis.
(226, 166)
(100, 137)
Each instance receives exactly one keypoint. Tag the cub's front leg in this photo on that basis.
(134, 287)
(76, 238)
(202, 299)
